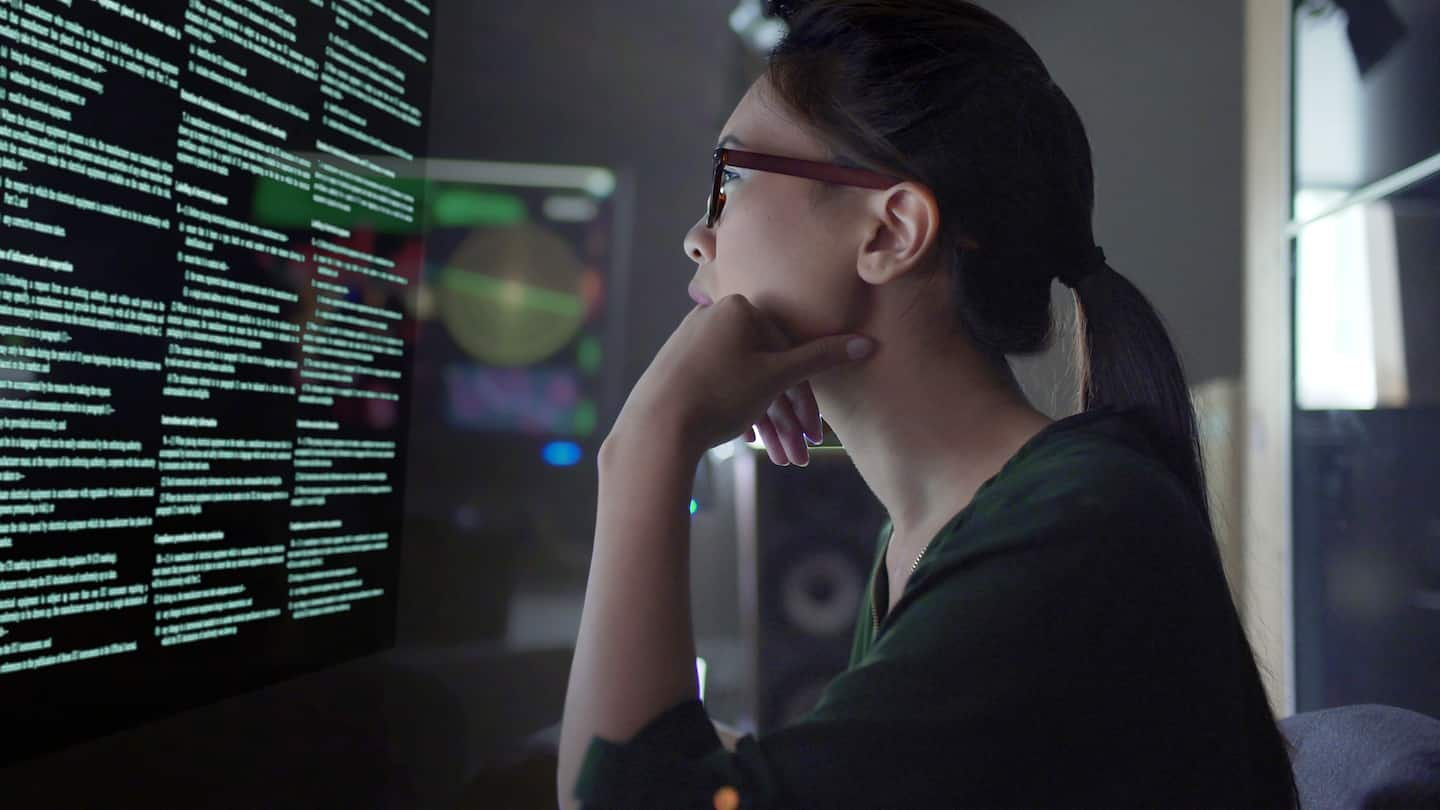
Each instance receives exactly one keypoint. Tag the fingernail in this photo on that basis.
(859, 348)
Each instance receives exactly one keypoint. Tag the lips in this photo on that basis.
(699, 297)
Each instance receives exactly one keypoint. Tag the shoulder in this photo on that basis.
(1099, 475)
(1084, 522)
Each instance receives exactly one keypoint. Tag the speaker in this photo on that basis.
(806, 539)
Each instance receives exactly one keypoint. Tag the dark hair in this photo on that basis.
(946, 93)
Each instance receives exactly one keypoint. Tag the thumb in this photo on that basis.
(806, 360)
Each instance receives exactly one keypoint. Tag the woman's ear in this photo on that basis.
(902, 225)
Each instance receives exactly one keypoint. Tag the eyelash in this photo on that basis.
(727, 176)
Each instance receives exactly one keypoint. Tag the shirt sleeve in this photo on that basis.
(677, 760)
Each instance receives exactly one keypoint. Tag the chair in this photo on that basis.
(1366, 756)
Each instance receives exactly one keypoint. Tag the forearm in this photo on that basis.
(635, 655)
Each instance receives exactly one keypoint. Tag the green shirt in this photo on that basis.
(1067, 640)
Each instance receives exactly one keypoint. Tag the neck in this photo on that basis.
(926, 421)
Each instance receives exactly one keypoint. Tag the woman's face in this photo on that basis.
(790, 257)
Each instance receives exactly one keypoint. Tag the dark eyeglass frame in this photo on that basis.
(795, 167)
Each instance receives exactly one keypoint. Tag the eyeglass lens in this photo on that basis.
(716, 201)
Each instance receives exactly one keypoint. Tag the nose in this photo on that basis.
(700, 242)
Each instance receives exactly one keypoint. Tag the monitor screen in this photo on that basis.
(520, 264)
(210, 238)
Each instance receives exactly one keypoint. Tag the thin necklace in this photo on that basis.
(875, 611)
(916, 564)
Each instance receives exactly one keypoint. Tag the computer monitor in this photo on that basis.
(203, 413)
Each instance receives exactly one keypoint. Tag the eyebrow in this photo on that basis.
(724, 139)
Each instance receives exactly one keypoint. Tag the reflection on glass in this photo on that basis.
(1349, 341)
(1329, 112)
(1366, 436)
(1367, 296)
(1365, 89)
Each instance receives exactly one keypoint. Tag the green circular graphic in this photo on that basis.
(512, 296)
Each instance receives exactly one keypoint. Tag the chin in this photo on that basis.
(798, 322)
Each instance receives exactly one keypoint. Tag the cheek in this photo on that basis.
(789, 266)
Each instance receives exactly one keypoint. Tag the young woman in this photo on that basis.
(1048, 623)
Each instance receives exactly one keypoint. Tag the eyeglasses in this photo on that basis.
(795, 167)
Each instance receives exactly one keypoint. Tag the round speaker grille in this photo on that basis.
(820, 594)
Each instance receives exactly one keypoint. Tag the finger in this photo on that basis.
(750, 434)
(771, 441)
(792, 366)
(792, 442)
(802, 400)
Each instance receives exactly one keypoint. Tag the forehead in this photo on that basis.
(762, 121)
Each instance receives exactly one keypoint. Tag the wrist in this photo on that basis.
(655, 436)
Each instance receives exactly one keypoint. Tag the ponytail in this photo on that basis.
(1126, 360)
